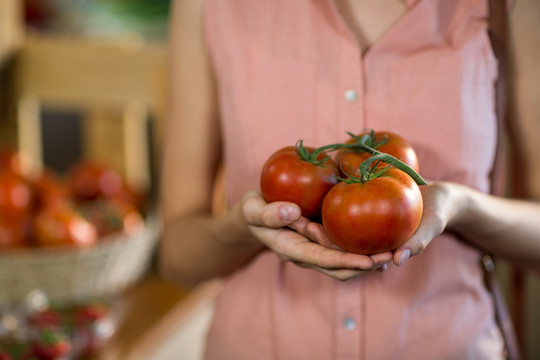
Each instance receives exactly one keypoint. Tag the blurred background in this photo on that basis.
(82, 98)
(81, 106)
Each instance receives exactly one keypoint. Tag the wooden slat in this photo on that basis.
(118, 84)
(71, 71)
(11, 27)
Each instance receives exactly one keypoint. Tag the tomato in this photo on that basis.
(4, 355)
(130, 195)
(395, 145)
(13, 160)
(14, 234)
(287, 177)
(63, 226)
(90, 313)
(51, 345)
(15, 197)
(89, 180)
(111, 216)
(49, 190)
(374, 216)
(48, 318)
(93, 326)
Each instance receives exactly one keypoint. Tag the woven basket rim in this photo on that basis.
(95, 271)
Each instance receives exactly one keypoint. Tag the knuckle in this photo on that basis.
(247, 209)
(422, 245)
(267, 217)
(439, 222)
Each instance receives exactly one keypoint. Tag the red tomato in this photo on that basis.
(89, 180)
(93, 326)
(49, 191)
(51, 345)
(131, 196)
(372, 217)
(111, 216)
(396, 145)
(4, 355)
(63, 226)
(88, 314)
(12, 160)
(15, 197)
(286, 177)
(49, 318)
(14, 234)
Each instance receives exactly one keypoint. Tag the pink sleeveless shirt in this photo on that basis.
(291, 69)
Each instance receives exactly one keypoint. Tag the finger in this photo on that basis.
(343, 274)
(378, 259)
(319, 234)
(277, 214)
(302, 226)
(417, 243)
(308, 252)
(339, 274)
(383, 257)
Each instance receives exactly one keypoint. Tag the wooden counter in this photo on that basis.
(140, 309)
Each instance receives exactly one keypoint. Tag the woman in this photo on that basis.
(243, 71)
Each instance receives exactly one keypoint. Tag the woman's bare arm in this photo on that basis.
(195, 245)
(505, 227)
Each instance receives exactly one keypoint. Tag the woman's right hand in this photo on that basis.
(280, 227)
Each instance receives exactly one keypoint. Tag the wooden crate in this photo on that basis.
(117, 84)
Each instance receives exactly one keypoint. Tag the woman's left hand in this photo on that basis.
(441, 205)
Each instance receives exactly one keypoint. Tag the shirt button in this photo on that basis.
(351, 95)
(349, 323)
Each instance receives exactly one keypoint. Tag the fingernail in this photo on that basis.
(403, 257)
(289, 213)
(383, 267)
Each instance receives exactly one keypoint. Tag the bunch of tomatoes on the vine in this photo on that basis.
(77, 209)
(364, 191)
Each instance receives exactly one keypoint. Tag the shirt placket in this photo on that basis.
(349, 317)
(349, 321)
(351, 85)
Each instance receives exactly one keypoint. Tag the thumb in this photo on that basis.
(258, 212)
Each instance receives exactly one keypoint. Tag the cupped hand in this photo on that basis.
(281, 228)
(441, 204)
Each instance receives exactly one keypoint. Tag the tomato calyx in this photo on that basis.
(311, 158)
(367, 172)
(368, 139)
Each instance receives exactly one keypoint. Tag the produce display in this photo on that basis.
(56, 332)
(77, 209)
(366, 195)
(63, 213)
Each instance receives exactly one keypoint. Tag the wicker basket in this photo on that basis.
(72, 274)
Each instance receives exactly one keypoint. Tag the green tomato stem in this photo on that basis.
(360, 144)
(390, 160)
